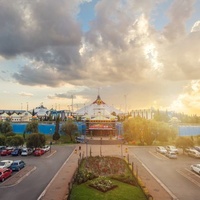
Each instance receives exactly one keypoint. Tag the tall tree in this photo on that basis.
(6, 127)
(16, 140)
(35, 140)
(69, 127)
(32, 127)
(56, 135)
(184, 142)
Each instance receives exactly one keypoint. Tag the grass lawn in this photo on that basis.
(122, 192)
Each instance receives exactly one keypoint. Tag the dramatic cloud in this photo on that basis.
(190, 98)
(25, 94)
(123, 51)
(62, 96)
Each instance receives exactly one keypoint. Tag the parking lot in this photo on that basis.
(174, 175)
(31, 181)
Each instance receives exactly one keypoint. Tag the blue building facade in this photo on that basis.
(189, 130)
(49, 129)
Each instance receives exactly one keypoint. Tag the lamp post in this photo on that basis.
(86, 148)
(100, 146)
(121, 149)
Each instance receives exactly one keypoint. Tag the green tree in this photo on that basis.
(184, 142)
(6, 127)
(2, 140)
(148, 135)
(1, 124)
(56, 135)
(33, 112)
(132, 128)
(32, 127)
(146, 131)
(69, 127)
(35, 140)
(15, 140)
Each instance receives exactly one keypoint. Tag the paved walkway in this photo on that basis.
(58, 187)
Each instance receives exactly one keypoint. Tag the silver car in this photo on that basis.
(161, 149)
(196, 168)
(171, 154)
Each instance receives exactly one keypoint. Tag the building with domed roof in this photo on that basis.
(99, 117)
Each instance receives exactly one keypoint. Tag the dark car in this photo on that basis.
(5, 173)
(17, 165)
(16, 152)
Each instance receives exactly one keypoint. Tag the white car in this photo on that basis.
(194, 153)
(5, 163)
(172, 148)
(26, 151)
(46, 148)
(161, 149)
(196, 168)
(171, 154)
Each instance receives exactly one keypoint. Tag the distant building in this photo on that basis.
(144, 113)
(99, 118)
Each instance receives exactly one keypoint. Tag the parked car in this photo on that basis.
(5, 163)
(9, 150)
(172, 148)
(5, 173)
(16, 152)
(4, 152)
(188, 150)
(194, 153)
(17, 165)
(80, 139)
(197, 148)
(2, 148)
(39, 152)
(161, 149)
(26, 151)
(46, 148)
(171, 154)
(195, 168)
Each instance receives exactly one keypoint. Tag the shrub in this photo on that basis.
(102, 183)
(83, 176)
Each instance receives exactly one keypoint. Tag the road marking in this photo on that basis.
(51, 154)
(158, 180)
(45, 190)
(160, 157)
(188, 177)
(20, 179)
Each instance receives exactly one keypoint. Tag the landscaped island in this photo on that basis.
(105, 178)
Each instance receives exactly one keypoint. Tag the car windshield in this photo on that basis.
(15, 163)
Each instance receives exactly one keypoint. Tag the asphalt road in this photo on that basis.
(174, 174)
(46, 166)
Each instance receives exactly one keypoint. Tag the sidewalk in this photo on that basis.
(58, 187)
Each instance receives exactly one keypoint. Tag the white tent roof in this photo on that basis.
(98, 108)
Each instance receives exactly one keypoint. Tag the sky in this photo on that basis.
(134, 54)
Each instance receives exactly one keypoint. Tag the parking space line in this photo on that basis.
(51, 154)
(160, 157)
(18, 181)
(188, 177)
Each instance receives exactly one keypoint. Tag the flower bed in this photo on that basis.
(105, 178)
(102, 184)
(112, 167)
